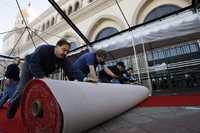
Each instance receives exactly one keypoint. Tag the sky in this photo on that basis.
(9, 11)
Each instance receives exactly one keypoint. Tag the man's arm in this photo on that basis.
(109, 72)
(8, 72)
(92, 74)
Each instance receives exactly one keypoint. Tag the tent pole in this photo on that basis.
(147, 68)
(135, 56)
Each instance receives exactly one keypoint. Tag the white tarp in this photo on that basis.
(171, 28)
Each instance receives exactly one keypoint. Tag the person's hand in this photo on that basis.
(89, 79)
(114, 76)
(66, 78)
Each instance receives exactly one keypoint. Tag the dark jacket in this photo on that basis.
(12, 72)
(104, 77)
(43, 62)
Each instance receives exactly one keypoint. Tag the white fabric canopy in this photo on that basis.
(175, 27)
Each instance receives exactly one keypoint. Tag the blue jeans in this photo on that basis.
(26, 76)
(7, 94)
(15, 99)
(80, 74)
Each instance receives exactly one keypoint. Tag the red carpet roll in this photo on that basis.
(52, 106)
(40, 110)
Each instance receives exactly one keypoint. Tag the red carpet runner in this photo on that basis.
(16, 125)
(10, 126)
(177, 100)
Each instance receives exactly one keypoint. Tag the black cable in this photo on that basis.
(11, 30)
(25, 22)
(17, 41)
(6, 57)
(122, 13)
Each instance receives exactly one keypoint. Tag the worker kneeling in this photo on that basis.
(42, 62)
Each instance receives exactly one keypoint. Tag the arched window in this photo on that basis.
(39, 27)
(43, 27)
(47, 24)
(89, 1)
(52, 21)
(161, 11)
(28, 37)
(70, 10)
(106, 32)
(77, 6)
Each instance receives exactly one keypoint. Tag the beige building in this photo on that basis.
(94, 18)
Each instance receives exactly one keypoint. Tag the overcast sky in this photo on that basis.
(9, 11)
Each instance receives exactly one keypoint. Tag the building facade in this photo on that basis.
(95, 19)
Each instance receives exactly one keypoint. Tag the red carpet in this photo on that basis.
(16, 125)
(177, 100)
(10, 126)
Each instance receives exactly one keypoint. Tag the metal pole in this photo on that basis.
(147, 68)
(17, 42)
(123, 14)
(5, 32)
(25, 22)
(135, 56)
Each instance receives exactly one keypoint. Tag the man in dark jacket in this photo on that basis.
(42, 62)
(117, 69)
(11, 81)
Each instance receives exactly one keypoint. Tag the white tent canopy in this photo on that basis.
(169, 30)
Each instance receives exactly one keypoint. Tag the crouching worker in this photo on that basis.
(42, 62)
(118, 70)
(11, 81)
(87, 63)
